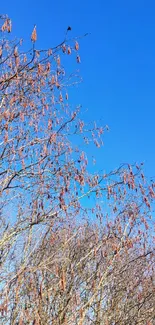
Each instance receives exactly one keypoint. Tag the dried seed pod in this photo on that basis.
(69, 50)
(34, 35)
(76, 46)
(58, 60)
(78, 59)
(60, 98)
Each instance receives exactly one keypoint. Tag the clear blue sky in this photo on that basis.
(118, 66)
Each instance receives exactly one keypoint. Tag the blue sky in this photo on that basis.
(118, 66)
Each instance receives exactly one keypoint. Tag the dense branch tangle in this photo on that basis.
(76, 272)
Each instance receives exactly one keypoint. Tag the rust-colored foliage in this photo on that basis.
(75, 247)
